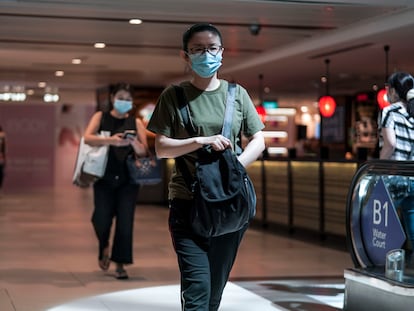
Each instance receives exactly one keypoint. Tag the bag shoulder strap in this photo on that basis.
(228, 115)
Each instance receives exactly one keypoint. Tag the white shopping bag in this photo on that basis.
(90, 162)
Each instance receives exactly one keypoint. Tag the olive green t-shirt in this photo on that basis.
(207, 113)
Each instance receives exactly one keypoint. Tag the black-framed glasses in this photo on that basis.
(199, 50)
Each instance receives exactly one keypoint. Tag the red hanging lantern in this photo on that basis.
(261, 111)
(327, 106)
(382, 99)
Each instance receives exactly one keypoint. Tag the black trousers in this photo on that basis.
(115, 203)
(205, 264)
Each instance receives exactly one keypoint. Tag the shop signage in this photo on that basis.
(381, 228)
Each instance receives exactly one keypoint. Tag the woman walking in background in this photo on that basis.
(114, 195)
(397, 143)
(397, 120)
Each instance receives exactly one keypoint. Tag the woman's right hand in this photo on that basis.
(118, 140)
(217, 142)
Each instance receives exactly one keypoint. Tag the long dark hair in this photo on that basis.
(403, 82)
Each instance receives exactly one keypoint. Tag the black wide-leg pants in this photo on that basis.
(115, 203)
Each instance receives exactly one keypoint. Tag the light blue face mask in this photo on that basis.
(122, 106)
(205, 65)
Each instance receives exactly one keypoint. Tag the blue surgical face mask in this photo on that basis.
(122, 106)
(205, 65)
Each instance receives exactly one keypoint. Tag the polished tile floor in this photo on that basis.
(48, 261)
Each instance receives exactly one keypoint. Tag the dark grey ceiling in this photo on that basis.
(289, 49)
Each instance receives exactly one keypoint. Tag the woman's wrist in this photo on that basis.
(198, 141)
(140, 151)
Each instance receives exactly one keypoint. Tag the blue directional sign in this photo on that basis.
(381, 227)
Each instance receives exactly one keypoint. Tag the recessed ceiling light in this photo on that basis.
(59, 73)
(76, 61)
(41, 84)
(99, 45)
(135, 21)
(30, 92)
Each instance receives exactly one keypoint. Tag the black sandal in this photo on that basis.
(104, 263)
(121, 274)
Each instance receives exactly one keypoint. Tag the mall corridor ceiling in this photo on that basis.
(285, 41)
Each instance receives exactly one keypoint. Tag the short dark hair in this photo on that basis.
(196, 28)
(122, 86)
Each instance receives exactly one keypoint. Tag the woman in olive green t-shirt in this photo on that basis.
(205, 263)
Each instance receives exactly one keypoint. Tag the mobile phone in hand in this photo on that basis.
(129, 134)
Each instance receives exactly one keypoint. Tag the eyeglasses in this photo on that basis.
(213, 50)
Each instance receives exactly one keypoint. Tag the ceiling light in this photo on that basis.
(41, 84)
(306, 118)
(30, 92)
(50, 98)
(76, 61)
(99, 45)
(59, 73)
(15, 93)
(51, 95)
(135, 21)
